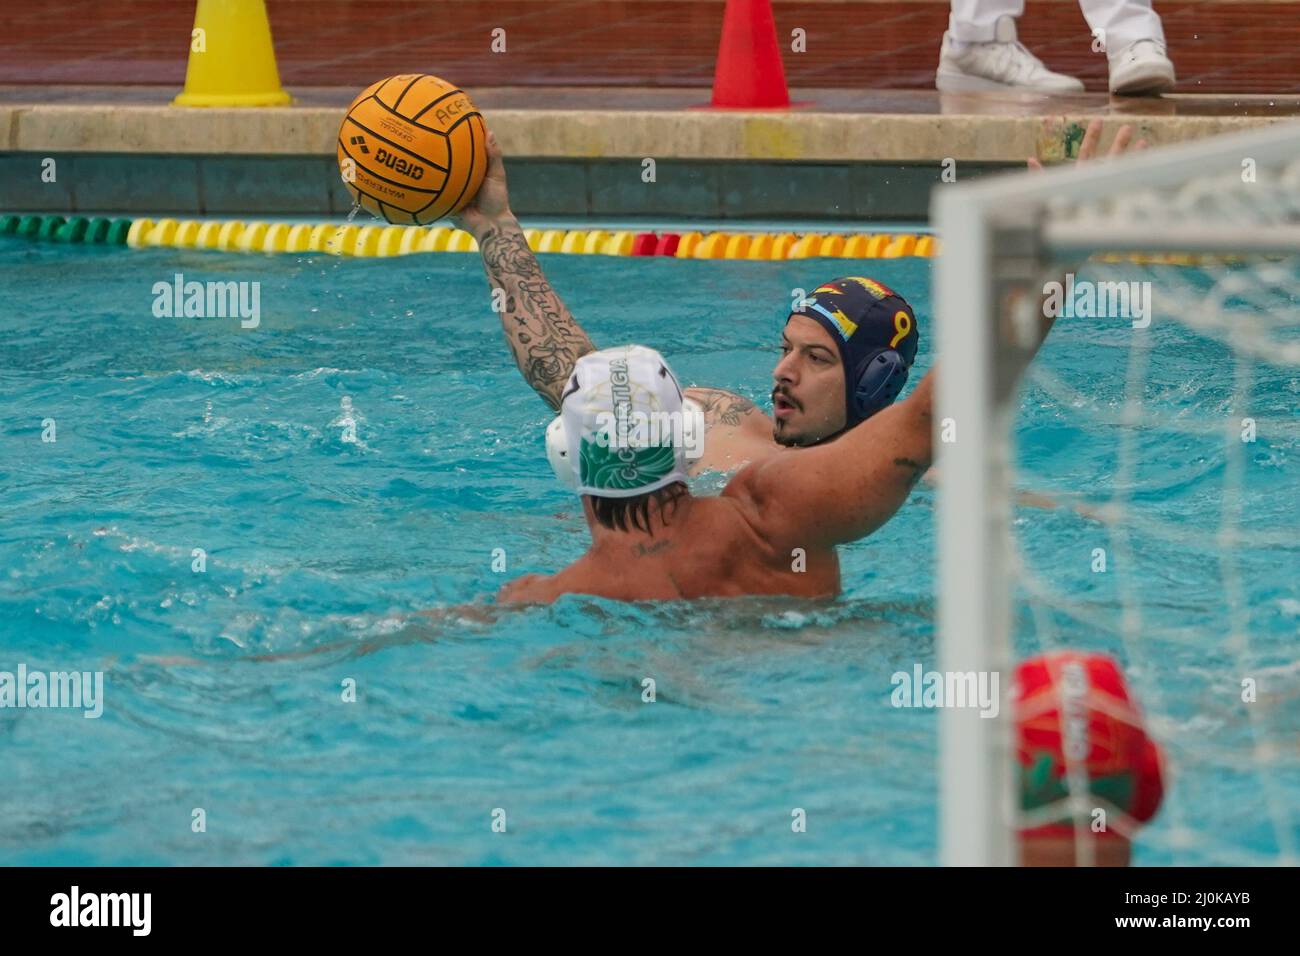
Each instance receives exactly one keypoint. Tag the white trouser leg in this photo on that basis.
(1123, 22)
(973, 21)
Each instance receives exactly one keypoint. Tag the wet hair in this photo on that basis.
(624, 514)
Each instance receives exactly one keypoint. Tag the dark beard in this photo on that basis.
(790, 441)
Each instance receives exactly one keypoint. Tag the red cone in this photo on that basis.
(749, 72)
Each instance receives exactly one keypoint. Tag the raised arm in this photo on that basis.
(843, 490)
(543, 335)
(846, 489)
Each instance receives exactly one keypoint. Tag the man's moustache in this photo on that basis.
(787, 396)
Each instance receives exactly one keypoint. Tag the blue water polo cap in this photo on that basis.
(875, 331)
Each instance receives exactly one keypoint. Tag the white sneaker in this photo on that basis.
(1141, 67)
(1003, 64)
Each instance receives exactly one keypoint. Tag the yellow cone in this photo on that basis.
(232, 61)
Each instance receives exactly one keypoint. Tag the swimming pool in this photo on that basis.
(357, 457)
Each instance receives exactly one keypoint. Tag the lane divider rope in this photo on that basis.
(380, 241)
(376, 240)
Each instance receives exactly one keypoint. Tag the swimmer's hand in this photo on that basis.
(1021, 357)
(1091, 141)
(491, 202)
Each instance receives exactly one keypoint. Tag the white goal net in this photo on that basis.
(1136, 492)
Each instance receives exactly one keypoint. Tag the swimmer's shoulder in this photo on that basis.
(741, 497)
(528, 589)
(756, 492)
(745, 482)
(581, 577)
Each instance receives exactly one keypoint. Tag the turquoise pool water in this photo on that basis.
(357, 458)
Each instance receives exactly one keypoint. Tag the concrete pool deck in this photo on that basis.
(827, 125)
(577, 151)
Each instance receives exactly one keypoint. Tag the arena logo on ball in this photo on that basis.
(399, 165)
(922, 688)
(208, 300)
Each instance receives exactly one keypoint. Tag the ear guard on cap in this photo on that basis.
(566, 470)
(881, 382)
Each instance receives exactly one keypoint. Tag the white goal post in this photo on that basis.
(1226, 196)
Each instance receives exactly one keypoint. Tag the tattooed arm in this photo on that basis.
(723, 409)
(846, 489)
(737, 431)
(543, 335)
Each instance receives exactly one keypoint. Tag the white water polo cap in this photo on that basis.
(624, 427)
